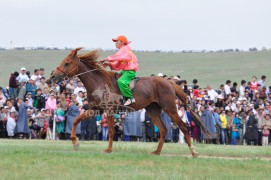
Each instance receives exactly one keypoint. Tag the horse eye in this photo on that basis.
(66, 64)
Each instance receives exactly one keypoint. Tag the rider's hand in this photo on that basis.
(103, 60)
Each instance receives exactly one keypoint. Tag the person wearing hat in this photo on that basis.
(160, 74)
(126, 61)
(22, 75)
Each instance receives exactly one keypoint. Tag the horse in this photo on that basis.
(152, 93)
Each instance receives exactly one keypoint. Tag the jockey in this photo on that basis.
(126, 61)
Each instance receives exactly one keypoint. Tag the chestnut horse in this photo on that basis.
(152, 93)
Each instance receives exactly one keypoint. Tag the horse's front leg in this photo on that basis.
(110, 122)
(84, 115)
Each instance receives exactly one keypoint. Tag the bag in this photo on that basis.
(59, 118)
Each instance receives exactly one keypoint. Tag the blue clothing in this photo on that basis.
(31, 88)
(22, 123)
(167, 122)
(72, 113)
(217, 119)
(237, 123)
(208, 120)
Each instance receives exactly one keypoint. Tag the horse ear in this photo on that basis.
(74, 52)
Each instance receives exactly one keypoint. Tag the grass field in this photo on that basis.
(40, 159)
(208, 68)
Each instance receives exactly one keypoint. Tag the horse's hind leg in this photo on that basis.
(154, 111)
(176, 118)
(78, 119)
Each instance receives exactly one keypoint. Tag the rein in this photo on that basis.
(76, 68)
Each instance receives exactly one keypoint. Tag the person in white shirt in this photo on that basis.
(80, 98)
(242, 90)
(212, 93)
(79, 88)
(11, 123)
(262, 82)
(22, 75)
(227, 87)
(36, 76)
(29, 98)
(183, 116)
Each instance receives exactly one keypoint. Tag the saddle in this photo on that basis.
(132, 84)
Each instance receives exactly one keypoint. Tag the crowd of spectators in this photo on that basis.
(237, 115)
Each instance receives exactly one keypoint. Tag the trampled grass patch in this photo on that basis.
(31, 159)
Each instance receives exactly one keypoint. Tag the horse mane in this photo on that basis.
(90, 60)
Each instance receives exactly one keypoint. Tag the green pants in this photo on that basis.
(124, 81)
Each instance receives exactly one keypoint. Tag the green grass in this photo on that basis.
(208, 68)
(34, 159)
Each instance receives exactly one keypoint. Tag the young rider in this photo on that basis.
(126, 61)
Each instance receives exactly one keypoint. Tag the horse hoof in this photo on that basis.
(107, 151)
(76, 147)
(195, 155)
(155, 153)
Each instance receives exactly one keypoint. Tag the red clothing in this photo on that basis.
(104, 121)
(196, 92)
(124, 59)
(266, 133)
(254, 86)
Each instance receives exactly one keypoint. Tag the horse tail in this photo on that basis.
(183, 97)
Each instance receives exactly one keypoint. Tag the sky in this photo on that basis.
(150, 24)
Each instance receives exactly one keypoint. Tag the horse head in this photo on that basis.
(68, 67)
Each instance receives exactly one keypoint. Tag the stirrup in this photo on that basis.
(129, 101)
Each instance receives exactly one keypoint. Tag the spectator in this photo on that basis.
(39, 100)
(88, 126)
(251, 134)
(59, 118)
(13, 85)
(80, 98)
(234, 88)
(167, 122)
(208, 120)
(70, 87)
(51, 103)
(262, 82)
(2, 97)
(254, 83)
(212, 93)
(41, 71)
(230, 117)
(242, 90)
(11, 123)
(22, 130)
(40, 120)
(266, 133)
(79, 88)
(31, 87)
(22, 76)
(227, 88)
(36, 77)
(42, 84)
(29, 99)
(149, 128)
(104, 126)
(72, 113)
(224, 123)
(3, 120)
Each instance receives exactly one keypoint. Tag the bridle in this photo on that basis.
(66, 75)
